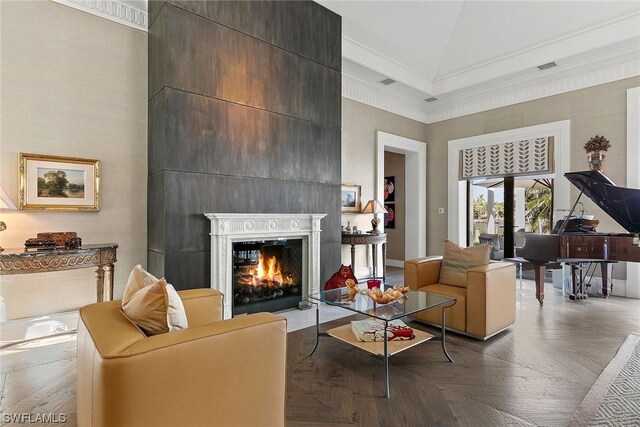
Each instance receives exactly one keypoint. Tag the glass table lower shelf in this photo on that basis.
(413, 302)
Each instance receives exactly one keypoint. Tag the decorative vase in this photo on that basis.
(595, 160)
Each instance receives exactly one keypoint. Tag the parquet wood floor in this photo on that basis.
(535, 373)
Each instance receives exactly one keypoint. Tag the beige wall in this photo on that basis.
(394, 165)
(360, 123)
(596, 110)
(73, 84)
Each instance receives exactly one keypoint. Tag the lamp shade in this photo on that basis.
(5, 201)
(374, 206)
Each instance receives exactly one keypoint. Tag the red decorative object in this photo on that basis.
(339, 278)
(373, 283)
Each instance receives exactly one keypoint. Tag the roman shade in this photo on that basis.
(526, 157)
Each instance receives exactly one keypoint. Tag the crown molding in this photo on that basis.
(382, 98)
(568, 84)
(599, 36)
(113, 10)
(370, 58)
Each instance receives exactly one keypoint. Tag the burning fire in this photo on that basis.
(268, 272)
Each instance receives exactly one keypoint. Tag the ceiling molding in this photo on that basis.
(375, 60)
(379, 97)
(113, 10)
(385, 99)
(603, 35)
(582, 81)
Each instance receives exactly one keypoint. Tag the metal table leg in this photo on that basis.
(315, 346)
(386, 362)
(443, 336)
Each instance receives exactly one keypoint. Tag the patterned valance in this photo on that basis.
(528, 157)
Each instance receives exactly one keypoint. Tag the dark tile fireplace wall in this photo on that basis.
(244, 116)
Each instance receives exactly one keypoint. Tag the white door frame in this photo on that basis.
(632, 285)
(561, 131)
(415, 153)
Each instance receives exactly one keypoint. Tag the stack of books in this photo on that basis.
(373, 330)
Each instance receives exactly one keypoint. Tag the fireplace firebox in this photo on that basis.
(267, 275)
(230, 228)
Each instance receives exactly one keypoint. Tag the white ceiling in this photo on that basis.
(471, 55)
(465, 52)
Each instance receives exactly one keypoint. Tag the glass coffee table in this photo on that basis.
(413, 302)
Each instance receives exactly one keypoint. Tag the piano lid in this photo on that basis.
(620, 203)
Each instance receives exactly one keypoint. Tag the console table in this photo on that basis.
(367, 239)
(102, 256)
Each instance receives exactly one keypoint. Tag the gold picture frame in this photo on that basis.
(58, 183)
(350, 198)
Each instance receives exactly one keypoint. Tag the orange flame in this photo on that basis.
(269, 271)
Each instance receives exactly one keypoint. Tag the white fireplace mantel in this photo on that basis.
(227, 228)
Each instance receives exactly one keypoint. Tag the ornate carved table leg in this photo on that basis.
(109, 275)
(353, 258)
(384, 262)
(100, 283)
(374, 253)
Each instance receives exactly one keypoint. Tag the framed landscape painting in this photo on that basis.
(59, 183)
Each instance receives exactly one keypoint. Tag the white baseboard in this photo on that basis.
(395, 263)
(38, 326)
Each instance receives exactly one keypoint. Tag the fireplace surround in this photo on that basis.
(230, 228)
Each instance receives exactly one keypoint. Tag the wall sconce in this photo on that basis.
(5, 203)
(374, 207)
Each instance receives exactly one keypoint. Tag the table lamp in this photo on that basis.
(5, 203)
(374, 207)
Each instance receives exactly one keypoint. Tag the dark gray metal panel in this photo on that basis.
(190, 270)
(194, 194)
(302, 27)
(208, 135)
(211, 59)
(285, 158)
(155, 263)
(154, 7)
(156, 212)
(156, 48)
(329, 260)
(157, 132)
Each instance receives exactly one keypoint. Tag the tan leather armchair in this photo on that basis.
(215, 373)
(484, 307)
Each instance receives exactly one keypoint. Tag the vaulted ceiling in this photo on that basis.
(475, 55)
(464, 56)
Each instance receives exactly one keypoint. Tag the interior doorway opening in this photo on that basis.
(415, 208)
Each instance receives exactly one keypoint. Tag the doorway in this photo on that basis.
(561, 131)
(415, 189)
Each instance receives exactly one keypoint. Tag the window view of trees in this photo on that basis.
(538, 206)
(539, 202)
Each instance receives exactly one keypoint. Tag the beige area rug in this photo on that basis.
(614, 399)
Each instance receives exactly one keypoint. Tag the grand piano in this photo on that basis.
(574, 243)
